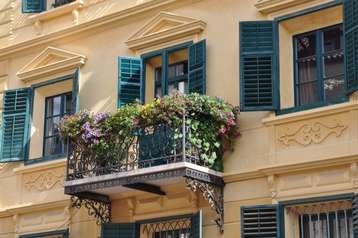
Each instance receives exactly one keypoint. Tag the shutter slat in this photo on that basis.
(15, 124)
(261, 221)
(197, 67)
(129, 80)
(257, 70)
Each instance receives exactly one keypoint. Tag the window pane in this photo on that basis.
(334, 88)
(306, 45)
(309, 93)
(56, 106)
(334, 64)
(158, 92)
(333, 39)
(53, 145)
(68, 104)
(307, 70)
(52, 126)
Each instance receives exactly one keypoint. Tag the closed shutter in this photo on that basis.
(258, 90)
(130, 85)
(197, 225)
(122, 230)
(197, 67)
(351, 44)
(15, 124)
(355, 215)
(260, 221)
(32, 6)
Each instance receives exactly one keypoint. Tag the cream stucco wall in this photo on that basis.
(273, 161)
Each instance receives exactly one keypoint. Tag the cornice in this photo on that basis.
(309, 114)
(29, 208)
(41, 166)
(288, 168)
(82, 27)
(268, 6)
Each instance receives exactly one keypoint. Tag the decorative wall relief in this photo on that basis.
(44, 180)
(311, 133)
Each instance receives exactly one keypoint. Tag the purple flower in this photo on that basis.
(101, 116)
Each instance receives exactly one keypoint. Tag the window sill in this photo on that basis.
(296, 114)
(72, 7)
(41, 164)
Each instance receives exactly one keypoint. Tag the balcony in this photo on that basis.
(159, 146)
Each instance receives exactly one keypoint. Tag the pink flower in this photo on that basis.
(136, 121)
(222, 130)
(231, 122)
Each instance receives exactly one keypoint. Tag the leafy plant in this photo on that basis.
(212, 122)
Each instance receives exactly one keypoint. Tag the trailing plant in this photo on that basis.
(212, 122)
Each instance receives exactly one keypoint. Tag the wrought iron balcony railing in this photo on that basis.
(58, 3)
(145, 148)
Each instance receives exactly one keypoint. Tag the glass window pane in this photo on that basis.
(306, 45)
(171, 89)
(56, 106)
(52, 126)
(68, 104)
(158, 92)
(307, 70)
(334, 64)
(334, 88)
(333, 39)
(171, 71)
(309, 93)
(182, 87)
(53, 146)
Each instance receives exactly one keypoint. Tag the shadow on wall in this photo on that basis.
(91, 98)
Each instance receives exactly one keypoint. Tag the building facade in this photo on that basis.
(291, 65)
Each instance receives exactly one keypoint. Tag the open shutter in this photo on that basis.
(75, 93)
(15, 124)
(351, 44)
(32, 6)
(260, 221)
(355, 215)
(122, 230)
(258, 90)
(129, 88)
(197, 67)
(197, 225)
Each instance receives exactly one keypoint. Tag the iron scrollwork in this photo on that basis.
(99, 209)
(214, 194)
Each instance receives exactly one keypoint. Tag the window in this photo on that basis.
(58, 3)
(51, 234)
(172, 234)
(177, 79)
(56, 107)
(319, 66)
(165, 80)
(331, 219)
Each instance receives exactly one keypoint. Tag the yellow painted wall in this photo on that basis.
(274, 160)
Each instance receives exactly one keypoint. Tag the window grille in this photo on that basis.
(174, 228)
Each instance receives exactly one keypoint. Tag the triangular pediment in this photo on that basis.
(50, 61)
(165, 25)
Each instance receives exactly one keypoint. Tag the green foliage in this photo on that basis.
(213, 125)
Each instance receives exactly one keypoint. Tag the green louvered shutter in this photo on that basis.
(197, 67)
(129, 71)
(260, 221)
(122, 230)
(197, 225)
(355, 215)
(32, 6)
(351, 44)
(258, 70)
(15, 124)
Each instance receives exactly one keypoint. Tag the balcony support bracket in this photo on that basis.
(97, 205)
(214, 194)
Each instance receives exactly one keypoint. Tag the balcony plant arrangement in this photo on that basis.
(195, 127)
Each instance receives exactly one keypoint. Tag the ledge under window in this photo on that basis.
(45, 159)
